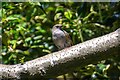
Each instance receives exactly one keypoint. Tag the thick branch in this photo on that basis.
(65, 60)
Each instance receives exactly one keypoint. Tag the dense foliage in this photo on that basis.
(26, 30)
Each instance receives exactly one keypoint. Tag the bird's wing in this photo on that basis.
(68, 38)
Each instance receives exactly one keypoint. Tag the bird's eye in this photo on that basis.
(57, 26)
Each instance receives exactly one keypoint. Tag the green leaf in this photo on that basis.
(59, 9)
(42, 31)
(57, 16)
(14, 43)
(68, 14)
(13, 17)
(28, 39)
(37, 37)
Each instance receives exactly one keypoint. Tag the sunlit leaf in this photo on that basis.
(28, 39)
(13, 17)
(68, 14)
(57, 16)
(59, 9)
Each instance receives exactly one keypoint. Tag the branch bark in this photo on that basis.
(66, 60)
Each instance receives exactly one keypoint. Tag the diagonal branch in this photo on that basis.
(64, 61)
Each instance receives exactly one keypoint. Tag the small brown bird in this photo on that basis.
(60, 37)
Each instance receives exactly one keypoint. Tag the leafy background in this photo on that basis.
(26, 31)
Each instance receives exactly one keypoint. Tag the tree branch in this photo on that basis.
(64, 61)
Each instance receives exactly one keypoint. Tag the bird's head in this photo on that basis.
(57, 26)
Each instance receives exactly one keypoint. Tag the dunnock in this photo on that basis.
(60, 37)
